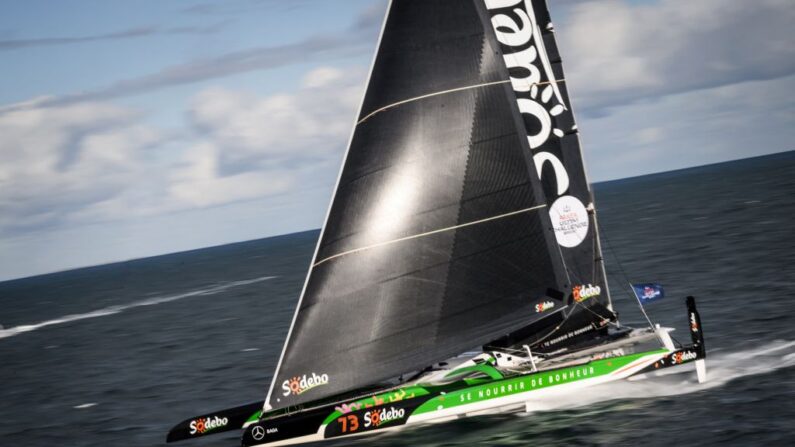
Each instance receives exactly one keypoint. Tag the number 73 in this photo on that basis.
(349, 423)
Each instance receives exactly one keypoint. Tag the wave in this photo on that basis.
(722, 367)
(112, 310)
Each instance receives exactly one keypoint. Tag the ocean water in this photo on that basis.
(115, 355)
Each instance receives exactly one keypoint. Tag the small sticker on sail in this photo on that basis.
(570, 221)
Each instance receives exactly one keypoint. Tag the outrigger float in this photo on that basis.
(462, 218)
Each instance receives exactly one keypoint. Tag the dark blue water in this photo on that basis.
(115, 355)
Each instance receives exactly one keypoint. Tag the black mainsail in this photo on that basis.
(462, 209)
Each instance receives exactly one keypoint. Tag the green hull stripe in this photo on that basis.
(481, 389)
(254, 417)
(521, 384)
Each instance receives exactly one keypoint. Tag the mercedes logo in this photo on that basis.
(258, 432)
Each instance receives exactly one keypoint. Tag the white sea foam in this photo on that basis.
(722, 367)
(112, 310)
(84, 406)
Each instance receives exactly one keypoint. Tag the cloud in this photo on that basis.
(96, 162)
(691, 128)
(371, 18)
(616, 52)
(198, 182)
(13, 44)
(53, 161)
(246, 7)
(210, 68)
(295, 127)
(355, 40)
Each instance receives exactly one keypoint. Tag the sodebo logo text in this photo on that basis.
(298, 385)
(681, 357)
(582, 293)
(203, 425)
(545, 306)
(377, 417)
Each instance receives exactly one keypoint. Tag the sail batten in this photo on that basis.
(429, 233)
(429, 95)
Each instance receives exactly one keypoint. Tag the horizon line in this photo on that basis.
(791, 152)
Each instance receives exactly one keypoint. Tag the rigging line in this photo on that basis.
(556, 328)
(626, 278)
(562, 258)
(429, 95)
(634, 295)
(428, 233)
(612, 251)
(560, 325)
(640, 304)
(602, 316)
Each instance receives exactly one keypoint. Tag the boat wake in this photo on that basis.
(112, 310)
(722, 367)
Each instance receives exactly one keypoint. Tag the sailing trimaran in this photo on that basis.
(459, 270)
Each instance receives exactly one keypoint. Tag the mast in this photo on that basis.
(600, 259)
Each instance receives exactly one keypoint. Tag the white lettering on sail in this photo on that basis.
(524, 59)
(518, 35)
(536, 110)
(494, 4)
(560, 171)
(530, 61)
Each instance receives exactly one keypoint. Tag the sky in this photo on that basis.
(132, 129)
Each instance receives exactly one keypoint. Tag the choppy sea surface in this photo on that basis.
(115, 355)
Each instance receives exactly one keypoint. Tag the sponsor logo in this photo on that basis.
(258, 433)
(203, 425)
(684, 356)
(539, 99)
(693, 323)
(545, 306)
(582, 293)
(298, 385)
(273, 430)
(649, 293)
(376, 418)
(569, 220)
